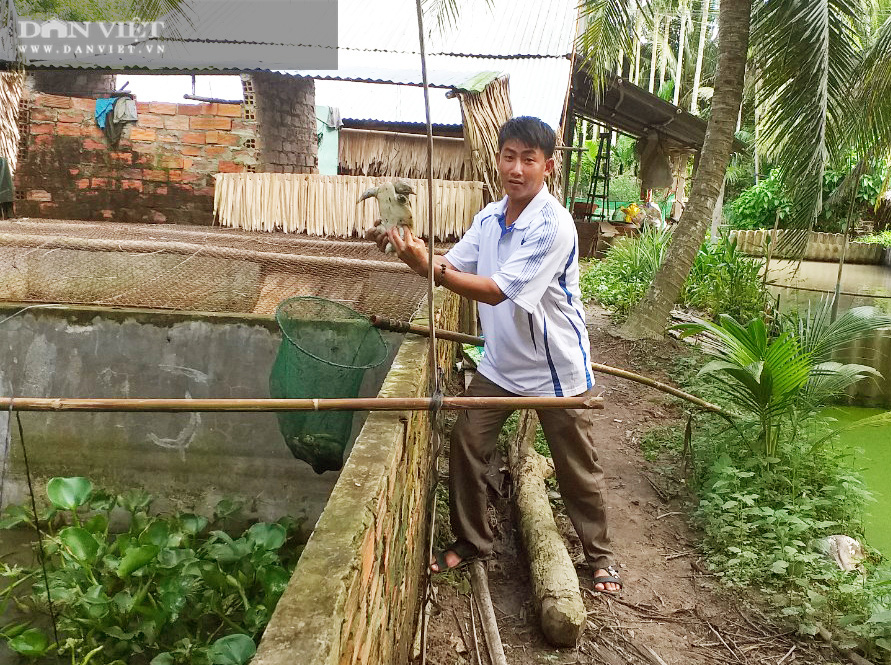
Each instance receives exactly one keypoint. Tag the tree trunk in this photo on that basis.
(663, 56)
(700, 50)
(654, 48)
(663, 51)
(638, 34)
(649, 316)
(679, 68)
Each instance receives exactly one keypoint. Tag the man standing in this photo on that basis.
(519, 260)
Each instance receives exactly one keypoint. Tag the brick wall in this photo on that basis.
(161, 171)
(285, 109)
(355, 594)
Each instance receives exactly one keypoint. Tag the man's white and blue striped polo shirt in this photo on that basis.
(536, 340)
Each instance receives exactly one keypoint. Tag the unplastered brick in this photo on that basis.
(212, 122)
(140, 134)
(162, 108)
(54, 101)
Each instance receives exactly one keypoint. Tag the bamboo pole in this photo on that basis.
(263, 405)
(479, 580)
(395, 325)
(401, 326)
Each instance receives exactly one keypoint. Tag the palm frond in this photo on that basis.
(872, 95)
(606, 30)
(831, 379)
(806, 53)
(822, 337)
(156, 8)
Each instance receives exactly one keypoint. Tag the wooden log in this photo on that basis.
(328, 404)
(555, 584)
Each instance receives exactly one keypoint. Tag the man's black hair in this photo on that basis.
(528, 131)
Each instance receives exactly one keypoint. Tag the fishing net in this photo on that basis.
(325, 350)
(197, 268)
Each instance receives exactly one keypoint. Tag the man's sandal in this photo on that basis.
(611, 577)
(463, 551)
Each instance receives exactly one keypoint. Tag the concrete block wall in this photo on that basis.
(873, 350)
(284, 107)
(355, 594)
(820, 247)
(160, 171)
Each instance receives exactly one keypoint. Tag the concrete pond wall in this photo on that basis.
(187, 460)
(355, 594)
(820, 247)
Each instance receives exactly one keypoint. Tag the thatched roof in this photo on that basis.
(401, 155)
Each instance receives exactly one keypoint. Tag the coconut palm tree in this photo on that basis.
(704, 26)
(808, 53)
(648, 318)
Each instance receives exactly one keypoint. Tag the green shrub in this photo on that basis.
(761, 205)
(722, 279)
(624, 187)
(169, 590)
(758, 207)
(760, 517)
(623, 276)
(883, 238)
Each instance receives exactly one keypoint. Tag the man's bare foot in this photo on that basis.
(607, 580)
(445, 560)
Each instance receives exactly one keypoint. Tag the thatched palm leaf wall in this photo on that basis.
(12, 85)
(483, 113)
(324, 205)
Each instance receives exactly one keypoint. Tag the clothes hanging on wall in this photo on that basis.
(123, 111)
(103, 108)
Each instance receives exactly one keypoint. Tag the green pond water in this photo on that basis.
(875, 462)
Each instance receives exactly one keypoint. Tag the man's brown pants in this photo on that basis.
(570, 436)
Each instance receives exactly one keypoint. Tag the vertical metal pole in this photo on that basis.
(844, 252)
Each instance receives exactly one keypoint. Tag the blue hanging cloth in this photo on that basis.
(103, 108)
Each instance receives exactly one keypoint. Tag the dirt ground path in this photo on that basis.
(671, 611)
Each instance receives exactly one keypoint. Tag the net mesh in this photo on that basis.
(193, 268)
(325, 350)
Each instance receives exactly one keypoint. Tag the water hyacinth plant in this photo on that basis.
(164, 591)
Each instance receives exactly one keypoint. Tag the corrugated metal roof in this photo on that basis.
(508, 28)
(221, 35)
(436, 78)
(230, 35)
(189, 56)
(537, 87)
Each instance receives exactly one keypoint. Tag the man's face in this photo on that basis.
(523, 170)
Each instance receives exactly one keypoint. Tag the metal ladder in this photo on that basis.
(599, 190)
